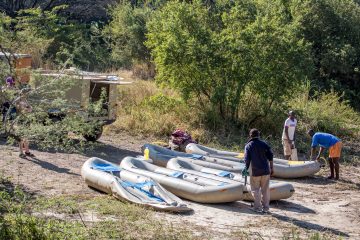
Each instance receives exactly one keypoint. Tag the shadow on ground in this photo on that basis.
(245, 207)
(291, 206)
(110, 153)
(315, 180)
(50, 166)
(308, 225)
(238, 207)
(98, 149)
(10, 187)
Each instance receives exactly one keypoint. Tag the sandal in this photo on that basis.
(21, 155)
(29, 154)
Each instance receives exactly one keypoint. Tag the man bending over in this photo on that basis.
(326, 140)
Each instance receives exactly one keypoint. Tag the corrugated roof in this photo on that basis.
(16, 55)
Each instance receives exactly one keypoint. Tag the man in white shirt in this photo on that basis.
(288, 136)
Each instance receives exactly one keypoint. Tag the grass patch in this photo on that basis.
(296, 234)
(290, 233)
(148, 110)
(60, 204)
(25, 217)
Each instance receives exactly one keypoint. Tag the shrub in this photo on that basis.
(126, 34)
(253, 46)
(146, 109)
(325, 111)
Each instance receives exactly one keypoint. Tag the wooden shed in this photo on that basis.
(21, 63)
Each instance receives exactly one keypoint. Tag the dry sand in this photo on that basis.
(318, 205)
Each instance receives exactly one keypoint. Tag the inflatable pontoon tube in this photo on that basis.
(127, 186)
(282, 168)
(161, 156)
(185, 185)
(278, 190)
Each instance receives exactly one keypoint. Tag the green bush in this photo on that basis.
(24, 226)
(126, 34)
(162, 103)
(252, 47)
(147, 109)
(326, 112)
(17, 222)
(21, 217)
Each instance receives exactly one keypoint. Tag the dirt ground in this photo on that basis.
(318, 205)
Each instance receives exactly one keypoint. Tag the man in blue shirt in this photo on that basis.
(326, 140)
(258, 154)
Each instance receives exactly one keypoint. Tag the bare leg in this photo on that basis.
(21, 147)
(337, 167)
(332, 166)
(26, 145)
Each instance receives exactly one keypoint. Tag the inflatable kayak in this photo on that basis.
(278, 190)
(127, 186)
(160, 156)
(282, 168)
(187, 185)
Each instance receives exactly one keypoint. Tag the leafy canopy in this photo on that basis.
(254, 46)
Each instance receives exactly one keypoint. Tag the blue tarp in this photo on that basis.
(225, 174)
(197, 156)
(177, 174)
(106, 167)
(140, 187)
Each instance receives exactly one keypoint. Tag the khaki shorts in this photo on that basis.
(335, 150)
(287, 147)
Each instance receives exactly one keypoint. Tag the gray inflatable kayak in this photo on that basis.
(187, 185)
(282, 168)
(278, 190)
(127, 186)
(160, 156)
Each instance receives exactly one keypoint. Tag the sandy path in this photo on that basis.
(317, 205)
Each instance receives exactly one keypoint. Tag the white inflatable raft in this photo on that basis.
(190, 186)
(127, 186)
(160, 156)
(278, 190)
(282, 168)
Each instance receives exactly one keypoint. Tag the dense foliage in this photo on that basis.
(252, 48)
(329, 28)
(126, 34)
(53, 39)
(81, 10)
(232, 61)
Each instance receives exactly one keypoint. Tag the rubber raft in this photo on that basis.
(160, 156)
(278, 190)
(282, 168)
(128, 186)
(190, 186)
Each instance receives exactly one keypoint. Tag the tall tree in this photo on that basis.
(218, 55)
(333, 29)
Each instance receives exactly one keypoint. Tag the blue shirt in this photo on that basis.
(258, 153)
(325, 140)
